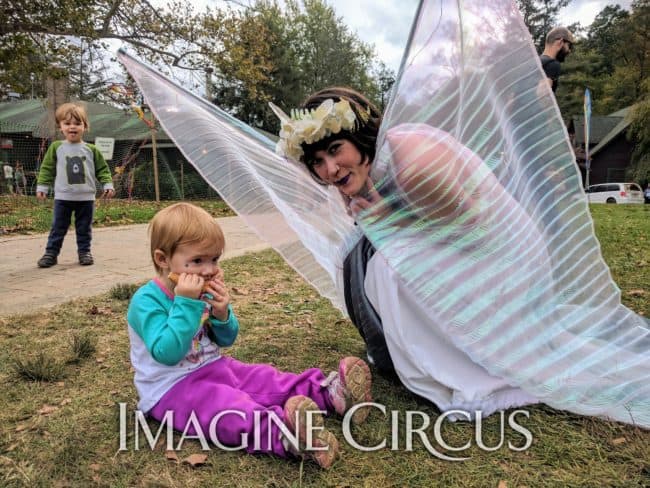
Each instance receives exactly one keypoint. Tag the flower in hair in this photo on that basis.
(310, 126)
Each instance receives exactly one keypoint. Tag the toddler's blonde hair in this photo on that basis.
(182, 223)
(72, 110)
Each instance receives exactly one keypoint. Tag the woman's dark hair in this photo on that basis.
(364, 137)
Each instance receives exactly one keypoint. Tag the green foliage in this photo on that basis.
(36, 35)
(26, 215)
(83, 346)
(613, 61)
(639, 132)
(123, 291)
(283, 55)
(540, 17)
(42, 367)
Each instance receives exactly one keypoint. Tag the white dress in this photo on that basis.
(425, 360)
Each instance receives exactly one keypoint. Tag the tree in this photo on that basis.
(620, 41)
(38, 34)
(605, 32)
(385, 80)
(296, 50)
(540, 16)
(639, 132)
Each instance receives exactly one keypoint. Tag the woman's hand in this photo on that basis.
(189, 285)
(220, 297)
(431, 168)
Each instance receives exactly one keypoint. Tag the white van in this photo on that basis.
(615, 193)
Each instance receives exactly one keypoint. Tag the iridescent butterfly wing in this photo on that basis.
(305, 222)
(489, 226)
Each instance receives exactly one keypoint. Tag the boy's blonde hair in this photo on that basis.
(72, 110)
(182, 223)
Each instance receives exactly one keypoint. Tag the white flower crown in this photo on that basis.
(309, 126)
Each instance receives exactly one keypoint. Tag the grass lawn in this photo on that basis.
(25, 215)
(65, 431)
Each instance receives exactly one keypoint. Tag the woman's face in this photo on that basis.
(341, 164)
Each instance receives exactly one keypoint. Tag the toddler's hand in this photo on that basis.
(221, 298)
(189, 285)
(41, 195)
(109, 193)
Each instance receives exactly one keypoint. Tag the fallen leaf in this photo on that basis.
(95, 466)
(239, 291)
(502, 484)
(60, 383)
(99, 360)
(619, 440)
(636, 293)
(65, 401)
(21, 427)
(171, 456)
(47, 409)
(195, 460)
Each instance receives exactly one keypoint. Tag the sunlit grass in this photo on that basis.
(23, 215)
(65, 432)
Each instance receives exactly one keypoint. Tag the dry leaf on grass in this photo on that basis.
(195, 460)
(95, 310)
(171, 456)
(21, 427)
(239, 291)
(95, 466)
(502, 484)
(47, 409)
(636, 293)
(65, 401)
(619, 440)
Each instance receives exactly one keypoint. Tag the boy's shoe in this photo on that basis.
(86, 259)
(298, 421)
(47, 261)
(350, 386)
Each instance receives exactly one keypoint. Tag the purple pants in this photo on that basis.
(228, 384)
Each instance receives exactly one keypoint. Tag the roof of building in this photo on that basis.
(105, 120)
(604, 128)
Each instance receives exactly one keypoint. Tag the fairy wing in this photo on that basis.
(489, 226)
(305, 222)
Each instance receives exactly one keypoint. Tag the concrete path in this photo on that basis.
(121, 256)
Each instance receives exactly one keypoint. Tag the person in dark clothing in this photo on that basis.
(559, 42)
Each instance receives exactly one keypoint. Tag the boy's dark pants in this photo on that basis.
(83, 218)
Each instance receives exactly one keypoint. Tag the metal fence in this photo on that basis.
(142, 169)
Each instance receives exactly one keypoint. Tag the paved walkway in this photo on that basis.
(121, 256)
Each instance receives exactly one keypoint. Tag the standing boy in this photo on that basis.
(72, 165)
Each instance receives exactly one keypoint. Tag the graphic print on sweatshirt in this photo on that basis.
(74, 166)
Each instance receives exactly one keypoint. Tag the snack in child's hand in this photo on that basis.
(173, 277)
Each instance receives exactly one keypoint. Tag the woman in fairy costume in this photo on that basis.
(504, 265)
(334, 134)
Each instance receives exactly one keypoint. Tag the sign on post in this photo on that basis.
(105, 146)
